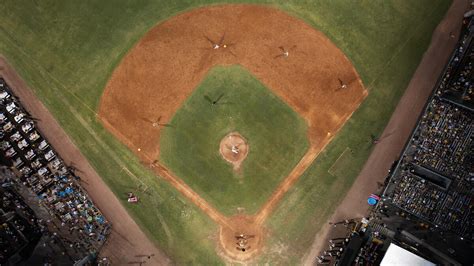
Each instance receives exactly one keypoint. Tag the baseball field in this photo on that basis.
(145, 94)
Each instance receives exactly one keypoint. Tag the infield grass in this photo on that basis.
(276, 136)
(67, 50)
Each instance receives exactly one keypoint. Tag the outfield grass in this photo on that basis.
(67, 50)
(275, 134)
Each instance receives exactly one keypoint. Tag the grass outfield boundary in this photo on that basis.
(79, 49)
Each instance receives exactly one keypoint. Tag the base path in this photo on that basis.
(399, 127)
(126, 240)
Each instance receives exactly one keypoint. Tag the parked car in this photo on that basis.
(43, 171)
(5, 145)
(10, 153)
(8, 126)
(30, 155)
(49, 156)
(43, 145)
(4, 95)
(56, 163)
(17, 162)
(34, 136)
(27, 127)
(19, 118)
(11, 107)
(36, 164)
(15, 137)
(25, 170)
(23, 144)
(3, 118)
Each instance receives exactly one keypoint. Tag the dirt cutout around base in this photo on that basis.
(295, 61)
(242, 240)
(234, 149)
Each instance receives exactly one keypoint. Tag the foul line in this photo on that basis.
(44, 71)
(398, 51)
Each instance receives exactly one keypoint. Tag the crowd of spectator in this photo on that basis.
(435, 177)
(371, 251)
(444, 139)
(457, 84)
(354, 242)
(337, 245)
(39, 168)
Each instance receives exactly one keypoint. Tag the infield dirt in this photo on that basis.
(164, 68)
(296, 62)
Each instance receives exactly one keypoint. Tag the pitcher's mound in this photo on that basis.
(234, 149)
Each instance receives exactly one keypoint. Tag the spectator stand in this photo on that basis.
(40, 169)
(432, 186)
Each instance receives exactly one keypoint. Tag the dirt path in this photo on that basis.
(126, 240)
(400, 125)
